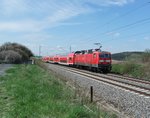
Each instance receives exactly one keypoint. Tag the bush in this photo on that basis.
(146, 70)
(136, 65)
(10, 56)
(14, 53)
(129, 68)
(146, 56)
(117, 68)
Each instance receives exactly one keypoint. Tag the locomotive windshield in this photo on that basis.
(105, 55)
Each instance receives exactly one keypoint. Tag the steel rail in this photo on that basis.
(119, 79)
(127, 86)
(130, 78)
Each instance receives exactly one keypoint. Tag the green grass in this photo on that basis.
(141, 71)
(27, 91)
(136, 64)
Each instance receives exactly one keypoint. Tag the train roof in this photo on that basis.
(70, 54)
(105, 52)
(90, 51)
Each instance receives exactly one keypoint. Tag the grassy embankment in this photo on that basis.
(27, 91)
(135, 65)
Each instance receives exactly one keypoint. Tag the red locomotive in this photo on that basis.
(94, 60)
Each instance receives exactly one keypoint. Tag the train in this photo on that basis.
(92, 59)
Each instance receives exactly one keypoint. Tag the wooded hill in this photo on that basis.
(124, 55)
(133, 56)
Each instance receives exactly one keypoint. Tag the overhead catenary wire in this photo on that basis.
(128, 12)
(129, 26)
(116, 19)
(123, 27)
(129, 36)
(146, 20)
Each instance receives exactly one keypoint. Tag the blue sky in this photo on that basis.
(55, 25)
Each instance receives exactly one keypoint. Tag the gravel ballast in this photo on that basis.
(129, 103)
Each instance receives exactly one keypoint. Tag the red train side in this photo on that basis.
(51, 59)
(67, 59)
(56, 59)
(71, 59)
(63, 60)
(95, 60)
(45, 59)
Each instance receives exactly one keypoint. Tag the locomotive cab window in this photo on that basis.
(94, 55)
(70, 58)
(105, 56)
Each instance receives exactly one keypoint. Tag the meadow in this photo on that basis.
(28, 91)
(135, 65)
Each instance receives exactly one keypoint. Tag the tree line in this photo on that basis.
(141, 56)
(14, 53)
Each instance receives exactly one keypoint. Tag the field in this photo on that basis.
(27, 91)
(136, 65)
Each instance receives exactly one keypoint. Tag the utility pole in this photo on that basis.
(39, 50)
(70, 49)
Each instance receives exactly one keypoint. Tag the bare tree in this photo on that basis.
(10, 56)
(14, 53)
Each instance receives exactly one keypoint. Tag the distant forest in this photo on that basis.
(145, 56)
(14, 53)
(124, 55)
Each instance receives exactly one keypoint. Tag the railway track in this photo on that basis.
(129, 78)
(133, 85)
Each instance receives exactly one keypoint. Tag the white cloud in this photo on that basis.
(19, 26)
(117, 2)
(132, 40)
(32, 17)
(147, 38)
(113, 34)
(37, 37)
(50, 12)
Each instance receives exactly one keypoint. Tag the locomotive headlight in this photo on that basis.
(101, 60)
(107, 60)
